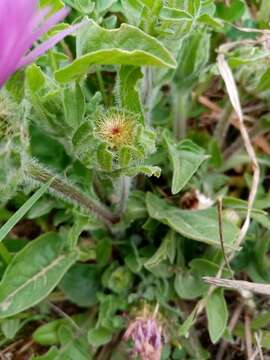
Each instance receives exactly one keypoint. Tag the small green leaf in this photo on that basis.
(231, 12)
(35, 78)
(99, 336)
(127, 92)
(127, 45)
(74, 105)
(217, 315)
(105, 157)
(186, 158)
(33, 273)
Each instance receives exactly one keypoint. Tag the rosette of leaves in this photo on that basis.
(11, 147)
(116, 142)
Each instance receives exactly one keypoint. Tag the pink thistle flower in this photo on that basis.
(22, 23)
(146, 333)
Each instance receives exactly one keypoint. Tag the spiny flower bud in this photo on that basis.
(146, 333)
(116, 127)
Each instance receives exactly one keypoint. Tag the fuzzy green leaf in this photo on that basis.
(217, 315)
(201, 225)
(186, 158)
(127, 45)
(128, 94)
(33, 273)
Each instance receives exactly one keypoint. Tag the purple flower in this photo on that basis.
(22, 23)
(146, 334)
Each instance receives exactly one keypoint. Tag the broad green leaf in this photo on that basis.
(7, 227)
(200, 225)
(81, 284)
(231, 12)
(127, 45)
(186, 158)
(33, 273)
(217, 315)
(127, 91)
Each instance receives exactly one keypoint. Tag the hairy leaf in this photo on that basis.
(201, 225)
(127, 45)
(33, 273)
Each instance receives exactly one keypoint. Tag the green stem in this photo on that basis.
(5, 254)
(102, 86)
(124, 185)
(180, 113)
(68, 191)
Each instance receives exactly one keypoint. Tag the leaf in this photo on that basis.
(33, 273)
(48, 334)
(126, 45)
(128, 94)
(231, 12)
(188, 285)
(186, 158)
(165, 250)
(7, 227)
(264, 83)
(168, 13)
(81, 284)
(74, 106)
(98, 337)
(201, 225)
(187, 324)
(192, 59)
(217, 315)
(10, 327)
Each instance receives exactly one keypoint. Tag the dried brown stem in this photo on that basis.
(238, 285)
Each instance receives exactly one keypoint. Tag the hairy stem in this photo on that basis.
(124, 184)
(38, 173)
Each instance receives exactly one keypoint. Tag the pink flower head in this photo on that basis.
(146, 334)
(22, 23)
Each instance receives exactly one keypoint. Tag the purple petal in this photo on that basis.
(41, 49)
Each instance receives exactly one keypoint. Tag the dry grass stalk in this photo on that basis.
(238, 285)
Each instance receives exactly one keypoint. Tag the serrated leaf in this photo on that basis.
(33, 273)
(126, 45)
(186, 158)
(217, 315)
(200, 225)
